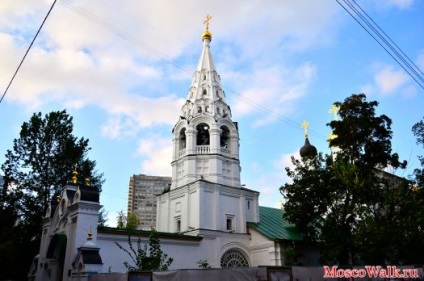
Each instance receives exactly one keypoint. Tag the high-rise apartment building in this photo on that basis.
(142, 193)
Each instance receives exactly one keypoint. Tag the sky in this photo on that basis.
(122, 69)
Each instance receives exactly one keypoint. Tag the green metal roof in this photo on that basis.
(273, 226)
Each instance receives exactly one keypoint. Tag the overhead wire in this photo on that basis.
(27, 51)
(404, 58)
(134, 40)
(400, 57)
(390, 39)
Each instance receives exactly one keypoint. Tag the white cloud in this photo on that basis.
(94, 53)
(389, 80)
(266, 90)
(402, 4)
(399, 4)
(157, 152)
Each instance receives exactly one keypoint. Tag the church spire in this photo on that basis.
(205, 96)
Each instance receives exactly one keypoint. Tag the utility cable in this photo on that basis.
(387, 43)
(27, 51)
(381, 44)
(405, 55)
(112, 28)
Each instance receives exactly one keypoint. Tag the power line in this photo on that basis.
(27, 51)
(384, 40)
(133, 40)
(390, 39)
(402, 56)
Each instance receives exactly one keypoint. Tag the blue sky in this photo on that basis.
(122, 69)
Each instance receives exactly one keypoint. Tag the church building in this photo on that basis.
(206, 214)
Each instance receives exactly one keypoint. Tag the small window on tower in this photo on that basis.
(178, 224)
(204, 92)
(199, 109)
(204, 76)
(207, 109)
(229, 222)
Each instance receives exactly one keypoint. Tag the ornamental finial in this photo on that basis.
(335, 110)
(75, 174)
(207, 34)
(305, 126)
(331, 136)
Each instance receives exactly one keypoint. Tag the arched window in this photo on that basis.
(203, 134)
(234, 258)
(204, 76)
(205, 92)
(225, 137)
(182, 139)
(199, 109)
(207, 108)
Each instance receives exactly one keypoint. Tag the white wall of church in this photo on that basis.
(204, 205)
(186, 253)
(262, 250)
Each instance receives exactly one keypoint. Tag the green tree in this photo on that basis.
(36, 169)
(153, 259)
(204, 264)
(121, 220)
(418, 130)
(132, 221)
(128, 222)
(343, 203)
(102, 217)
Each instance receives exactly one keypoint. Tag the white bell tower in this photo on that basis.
(206, 194)
(205, 139)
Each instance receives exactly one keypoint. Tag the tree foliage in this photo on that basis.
(36, 169)
(153, 259)
(356, 212)
(102, 220)
(418, 130)
(128, 222)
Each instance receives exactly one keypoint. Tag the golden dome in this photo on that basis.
(206, 35)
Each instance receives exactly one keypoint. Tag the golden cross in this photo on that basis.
(75, 173)
(331, 136)
(334, 109)
(305, 125)
(206, 21)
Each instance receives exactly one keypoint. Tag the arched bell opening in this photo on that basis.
(225, 137)
(203, 137)
(182, 142)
